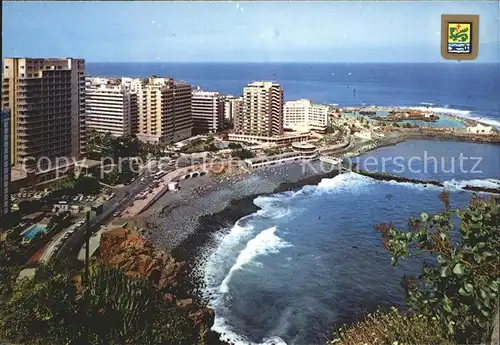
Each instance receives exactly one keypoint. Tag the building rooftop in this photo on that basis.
(304, 146)
(202, 93)
(88, 163)
(266, 84)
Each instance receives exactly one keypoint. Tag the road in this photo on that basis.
(124, 196)
(52, 247)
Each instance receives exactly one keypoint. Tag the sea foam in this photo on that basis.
(466, 114)
(217, 275)
(227, 244)
(459, 184)
(264, 243)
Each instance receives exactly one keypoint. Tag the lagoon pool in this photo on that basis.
(443, 122)
(33, 230)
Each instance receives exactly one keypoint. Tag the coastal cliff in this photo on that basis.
(133, 255)
(129, 252)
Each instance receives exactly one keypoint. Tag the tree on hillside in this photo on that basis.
(242, 154)
(87, 185)
(234, 146)
(455, 298)
(461, 287)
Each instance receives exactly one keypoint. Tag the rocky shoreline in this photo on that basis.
(189, 250)
(388, 177)
(189, 219)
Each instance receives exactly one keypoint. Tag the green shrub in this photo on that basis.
(461, 287)
(234, 146)
(242, 154)
(110, 309)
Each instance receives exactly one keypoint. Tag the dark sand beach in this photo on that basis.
(186, 222)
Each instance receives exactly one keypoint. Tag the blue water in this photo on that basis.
(311, 259)
(435, 160)
(443, 122)
(472, 89)
(33, 230)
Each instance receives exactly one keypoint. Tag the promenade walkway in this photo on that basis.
(141, 204)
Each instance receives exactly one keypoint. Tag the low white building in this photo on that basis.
(277, 140)
(480, 129)
(303, 113)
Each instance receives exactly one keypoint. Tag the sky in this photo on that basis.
(281, 31)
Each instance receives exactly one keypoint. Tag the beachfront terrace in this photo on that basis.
(278, 140)
(258, 162)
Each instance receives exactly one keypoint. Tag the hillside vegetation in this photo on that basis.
(455, 298)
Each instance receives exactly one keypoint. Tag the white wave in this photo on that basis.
(228, 335)
(459, 184)
(427, 103)
(458, 112)
(264, 243)
(453, 184)
(217, 276)
(351, 181)
(466, 114)
(271, 207)
(215, 264)
(485, 120)
(415, 186)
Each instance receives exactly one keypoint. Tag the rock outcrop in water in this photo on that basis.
(388, 177)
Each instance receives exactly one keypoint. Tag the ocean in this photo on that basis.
(311, 259)
(469, 90)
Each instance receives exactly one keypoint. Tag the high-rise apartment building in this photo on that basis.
(111, 106)
(207, 111)
(303, 114)
(262, 112)
(232, 107)
(134, 85)
(4, 162)
(164, 111)
(46, 98)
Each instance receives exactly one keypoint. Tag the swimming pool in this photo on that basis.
(443, 122)
(32, 231)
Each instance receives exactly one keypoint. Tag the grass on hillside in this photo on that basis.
(392, 327)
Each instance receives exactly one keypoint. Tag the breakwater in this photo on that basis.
(389, 177)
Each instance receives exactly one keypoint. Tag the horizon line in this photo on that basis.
(299, 62)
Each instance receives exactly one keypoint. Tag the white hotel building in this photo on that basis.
(303, 115)
(111, 105)
(207, 111)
